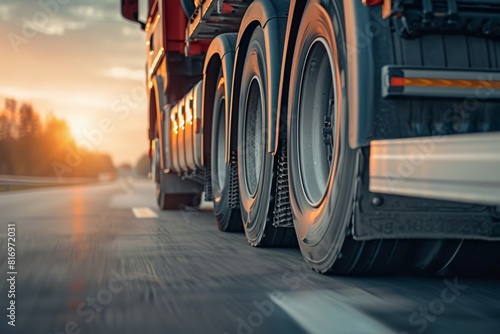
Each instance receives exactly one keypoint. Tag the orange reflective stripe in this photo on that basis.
(424, 82)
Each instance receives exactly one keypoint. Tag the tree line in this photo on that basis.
(30, 147)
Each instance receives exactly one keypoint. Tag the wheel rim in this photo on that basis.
(221, 139)
(253, 150)
(316, 116)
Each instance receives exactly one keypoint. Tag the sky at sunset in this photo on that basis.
(79, 60)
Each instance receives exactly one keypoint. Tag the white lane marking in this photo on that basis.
(319, 312)
(205, 206)
(143, 213)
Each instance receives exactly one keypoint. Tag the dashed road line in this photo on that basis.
(320, 312)
(144, 213)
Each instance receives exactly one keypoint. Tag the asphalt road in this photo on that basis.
(86, 263)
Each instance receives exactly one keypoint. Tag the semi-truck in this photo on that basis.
(367, 132)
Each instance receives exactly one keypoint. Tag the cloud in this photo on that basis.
(132, 31)
(76, 15)
(54, 96)
(126, 73)
(58, 26)
(81, 61)
(94, 13)
(5, 12)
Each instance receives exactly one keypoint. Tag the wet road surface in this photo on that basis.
(87, 262)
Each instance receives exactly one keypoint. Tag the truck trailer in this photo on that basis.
(365, 131)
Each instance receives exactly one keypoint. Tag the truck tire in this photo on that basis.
(256, 167)
(464, 258)
(323, 169)
(323, 190)
(424, 118)
(223, 174)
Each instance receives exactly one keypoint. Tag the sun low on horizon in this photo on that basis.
(80, 61)
(80, 128)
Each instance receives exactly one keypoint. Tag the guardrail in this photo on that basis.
(12, 180)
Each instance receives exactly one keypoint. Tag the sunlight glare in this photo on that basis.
(80, 127)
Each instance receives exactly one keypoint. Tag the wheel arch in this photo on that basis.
(292, 27)
(271, 16)
(157, 101)
(219, 57)
(362, 51)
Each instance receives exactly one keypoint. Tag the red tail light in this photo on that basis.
(373, 2)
